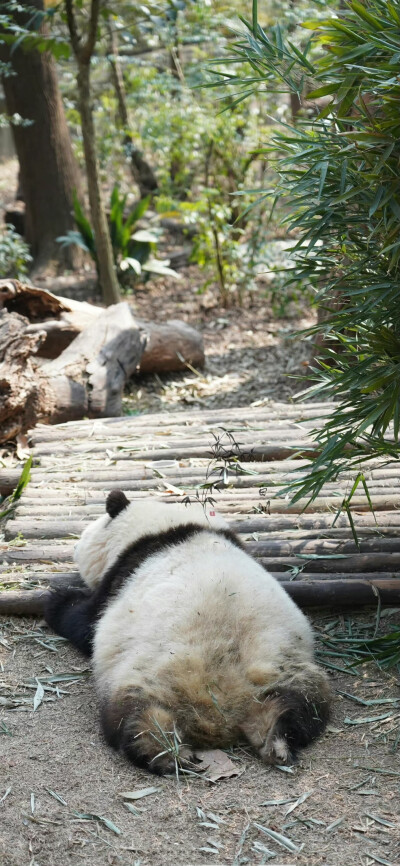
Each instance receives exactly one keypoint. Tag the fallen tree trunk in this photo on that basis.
(88, 377)
(168, 346)
(61, 360)
(324, 593)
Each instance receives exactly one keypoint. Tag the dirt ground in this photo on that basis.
(60, 786)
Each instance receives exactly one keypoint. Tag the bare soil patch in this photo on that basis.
(251, 356)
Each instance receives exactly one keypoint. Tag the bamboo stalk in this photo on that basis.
(91, 503)
(147, 477)
(272, 412)
(46, 579)
(164, 449)
(326, 593)
(344, 593)
(372, 562)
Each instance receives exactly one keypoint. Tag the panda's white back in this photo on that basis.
(202, 610)
(103, 540)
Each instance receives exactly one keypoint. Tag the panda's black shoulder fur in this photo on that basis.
(68, 610)
(73, 612)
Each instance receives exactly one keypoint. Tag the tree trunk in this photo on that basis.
(48, 171)
(106, 267)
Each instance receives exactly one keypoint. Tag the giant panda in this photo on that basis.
(194, 644)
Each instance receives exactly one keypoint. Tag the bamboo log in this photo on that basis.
(100, 435)
(265, 474)
(344, 593)
(50, 578)
(328, 593)
(266, 527)
(250, 417)
(164, 448)
(242, 486)
(155, 450)
(91, 503)
(39, 553)
(389, 562)
(238, 502)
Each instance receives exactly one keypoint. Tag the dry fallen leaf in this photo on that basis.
(216, 765)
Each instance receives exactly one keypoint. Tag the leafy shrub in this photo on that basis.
(15, 257)
(339, 181)
(132, 249)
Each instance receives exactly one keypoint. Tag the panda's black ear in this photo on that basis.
(116, 502)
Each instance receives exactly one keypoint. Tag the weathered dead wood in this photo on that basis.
(326, 593)
(8, 477)
(86, 379)
(168, 346)
(19, 389)
(33, 303)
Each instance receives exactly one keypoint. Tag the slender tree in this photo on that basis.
(48, 171)
(83, 49)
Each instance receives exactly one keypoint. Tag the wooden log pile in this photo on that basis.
(169, 456)
(61, 360)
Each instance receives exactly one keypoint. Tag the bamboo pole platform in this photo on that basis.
(169, 456)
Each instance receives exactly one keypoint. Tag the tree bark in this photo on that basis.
(86, 379)
(48, 171)
(169, 346)
(83, 52)
(107, 272)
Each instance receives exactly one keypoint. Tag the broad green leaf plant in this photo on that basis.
(339, 181)
(133, 250)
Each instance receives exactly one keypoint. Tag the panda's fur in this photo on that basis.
(194, 644)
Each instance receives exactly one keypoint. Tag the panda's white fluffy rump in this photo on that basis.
(201, 643)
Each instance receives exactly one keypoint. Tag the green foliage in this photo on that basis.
(132, 249)
(339, 181)
(15, 257)
(20, 28)
(17, 493)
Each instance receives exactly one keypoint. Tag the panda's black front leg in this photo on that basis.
(70, 611)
